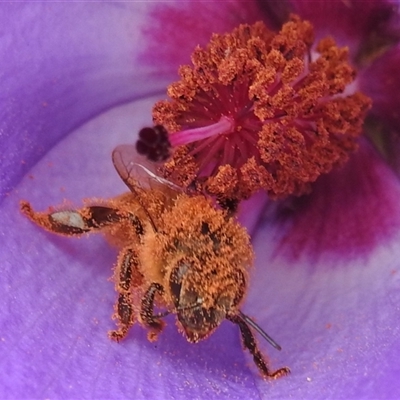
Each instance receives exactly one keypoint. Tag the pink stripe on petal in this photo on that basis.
(349, 212)
(178, 27)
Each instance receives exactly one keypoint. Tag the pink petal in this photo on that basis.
(349, 212)
(179, 28)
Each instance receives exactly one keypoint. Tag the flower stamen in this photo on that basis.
(261, 110)
(224, 125)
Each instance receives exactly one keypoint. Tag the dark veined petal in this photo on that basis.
(381, 81)
(367, 27)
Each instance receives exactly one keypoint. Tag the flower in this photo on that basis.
(325, 284)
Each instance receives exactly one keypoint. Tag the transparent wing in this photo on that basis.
(139, 174)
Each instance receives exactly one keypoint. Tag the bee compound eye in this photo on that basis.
(175, 281)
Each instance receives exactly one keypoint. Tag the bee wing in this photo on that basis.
(139, 174)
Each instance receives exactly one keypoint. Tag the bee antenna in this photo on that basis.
(255, 326)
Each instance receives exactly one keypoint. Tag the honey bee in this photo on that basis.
(178, 253)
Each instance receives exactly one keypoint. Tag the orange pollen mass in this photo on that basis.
(261, 110)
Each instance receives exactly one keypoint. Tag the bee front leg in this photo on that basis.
(75, 222)
(127, 276)
(147, 311)
(250, 344)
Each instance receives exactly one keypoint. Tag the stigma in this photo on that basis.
(260, 110)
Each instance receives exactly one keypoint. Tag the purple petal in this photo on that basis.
(61, 65)
(349, 212)
(338, 327)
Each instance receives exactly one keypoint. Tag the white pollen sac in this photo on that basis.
(69, 218)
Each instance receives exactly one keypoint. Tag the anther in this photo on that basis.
(153, 143)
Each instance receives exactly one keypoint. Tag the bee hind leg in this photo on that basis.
(73, 222)
(127, 276)
(250, 344)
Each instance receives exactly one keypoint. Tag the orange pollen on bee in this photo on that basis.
(261, 110)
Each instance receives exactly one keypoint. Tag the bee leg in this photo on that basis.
(147, 311)
(127, 276)
(78, 222)
(250, 343)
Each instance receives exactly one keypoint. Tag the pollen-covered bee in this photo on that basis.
(178, 252)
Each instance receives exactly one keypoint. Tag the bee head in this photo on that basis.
(202, 298)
